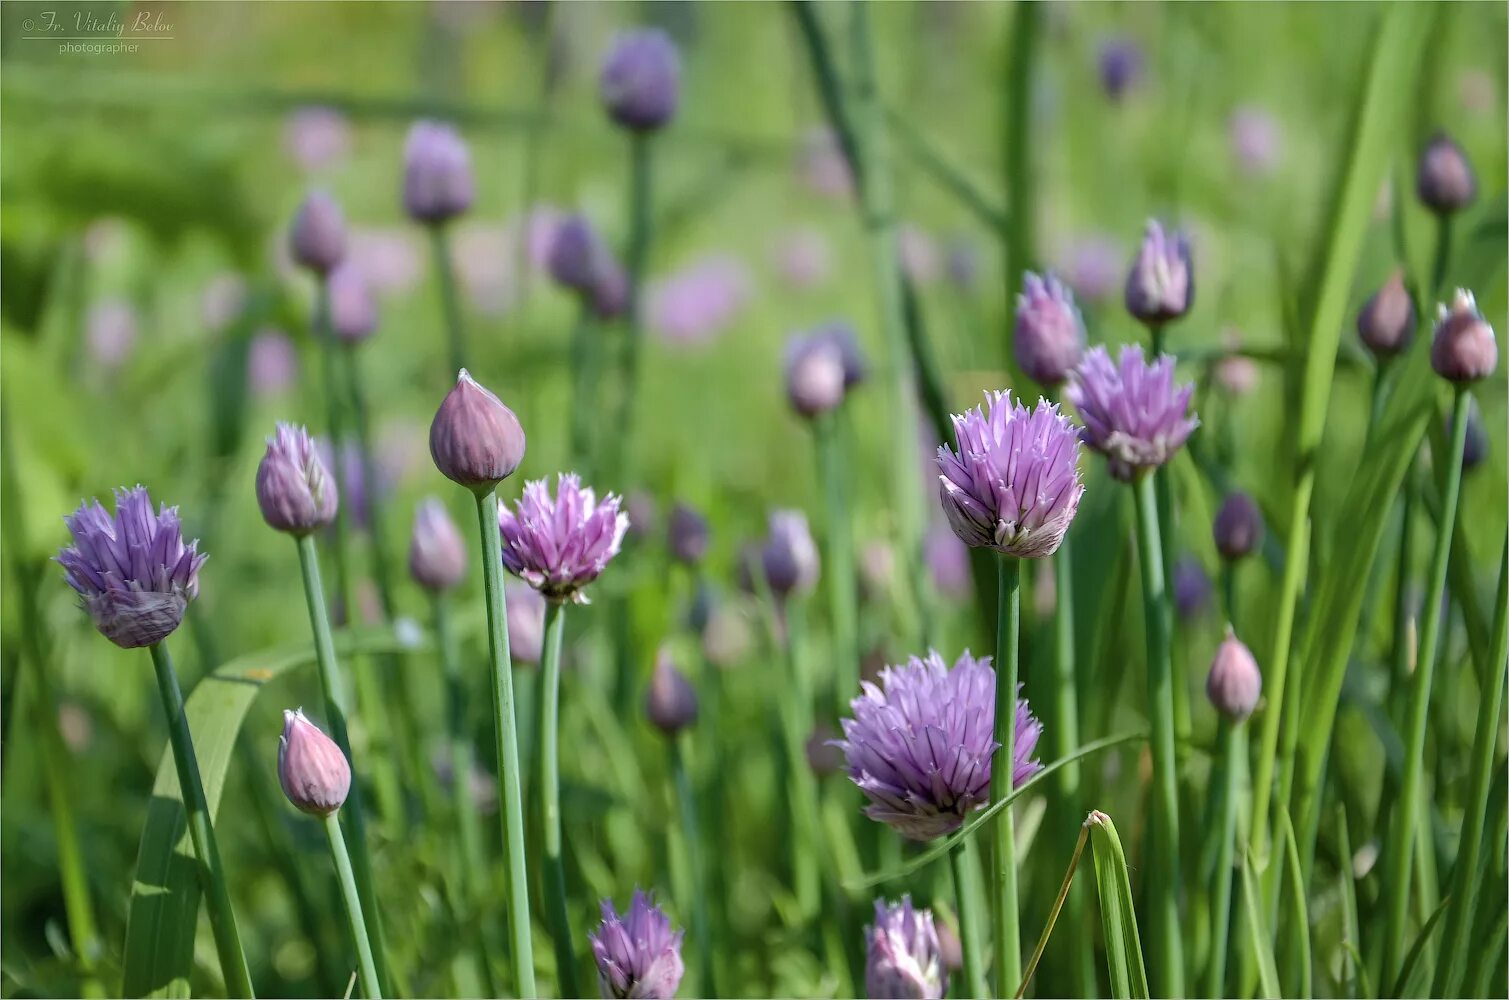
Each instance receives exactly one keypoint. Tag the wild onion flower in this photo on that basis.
(132, 571)
(1120, 65)
(1238, 527)
(1235, 683)
(919, 746)
(789, 557)
(1133, 413)
(687, 535)
(560, 544)
(947, 560)
(671, 702)
(437, 173)
(475, 440)
(437, 553)
(1014, 483)
(637, 955)
(1160, 286)
(903, 957)
(1386, 322)
(318, 236)
(1092, 265)
(1463, 348)
(641, 80)
(1444, 180)
(295, 490)
(1049, 335)
(353, 310)
(315, 775)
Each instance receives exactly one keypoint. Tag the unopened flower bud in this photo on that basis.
(437, 554)
(437, 173)
(686, 535)
(575, 255)
(1235, 682)
(641, 80)
(318, 236)
(315, 775)
(1445, 181)
(1386, 323)
(672, 702)
(475, 439)
(353, 310)
(1049, 336)
(295, 490)
(1238, 527)
(814, 375)
(1463, 348)
(789, 557)
(1160, 287)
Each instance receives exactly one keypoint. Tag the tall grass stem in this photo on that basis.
(366, 968)
(550, 796)
(1003, 888)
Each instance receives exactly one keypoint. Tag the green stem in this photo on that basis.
(1398, 878)
(335, 427)
(381, 563)
(504, 725)
(1058, 905)
(366, 968)
(1008, 949)
(1065, 726)
(966, 870)
(641, 194)
(353, 814)
(833, 470)
(1443, 255)
(701, 929)
(1233, 744)
(1464, 877)
(1163, 849)
(796, 717)
(212, 875)
(1020, 202)
(586, 349)
(449, 302)
(550, 796)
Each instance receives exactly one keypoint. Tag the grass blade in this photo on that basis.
(1299, 921)
(1118, 917)
(1257, 932)
(1414, 975)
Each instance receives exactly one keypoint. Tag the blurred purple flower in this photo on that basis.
(295, 489)
(1120, 66)
(903, 958)
(814, 375)
(347, 467)
(671, 702)
(1191, 587)
(316, 137)
(638, 955)
(821, 164)
(1235, 683)
(132, 571)
(1160, 285)
(947, 560)
(391, 259)
(699, 302)
(1238, 526)
(687, 534)
(1094, 267)
(272, 363)
(921, 260)
(560, 544)
(437, 552)
(437, 173)
(1014, 484)
(803, 258)
(526, 622)
(640, 82)
(483, 256)
(222, 301)
(919, 746)
(1235, 372)
(789, 557)
(1256, 139)
(1444, 180)
(1049, 334)
(1133, 413)
(111, 333)
(1463, 348)
(317, 239)
(1386, 322)
(353, 311)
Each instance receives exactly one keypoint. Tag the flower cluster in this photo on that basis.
(560, 544)
(637, 954)
(1133, 413)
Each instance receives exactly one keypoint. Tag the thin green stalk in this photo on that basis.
(877, 204)
(796, 720)
(1398, 878)
(641, 195)
(335, 427)
(1443, 255)
(1065, 726)
(1020, 197)
(504, 726)
(1233, 744)
(1163, 849)
(332, 688)
(966, 870)
(450, 304)
(550, 797)
(212, 876)
(1058, 906)
(381, 563)
(1003, 901)
(833, 470)
(1451, 966)
(586, 350)
(366, 969)
(701, 926)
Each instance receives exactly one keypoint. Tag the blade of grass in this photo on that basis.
(1258, 940)
(1351, 938)
(1058, 905)
(1117, 913)
(1414, 975)
(949, 176)
(1298, 956)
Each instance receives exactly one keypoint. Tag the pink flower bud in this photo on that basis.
(1235, 682)
(475, 440)
(315, 775)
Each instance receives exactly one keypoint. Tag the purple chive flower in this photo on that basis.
(318, 237)
(272, 363)
(687, 535)
(640, 81)
(919, 746)
(437, 173)
(475, 440)
(1191, 587)
(1463, 348)
(1160, 286)
(392, 259)
(526, 622)
(1255, 139)
(1133, 413)
(1050, 334)
(576, 254)
(295, 490)
(696, 304)
(111, 333)
(1444, 181)
(671, 702)
(132, 571)
(1235, 683)
(637, 955)
(315, 775)
(789, 557)
(1238, 527)
(814, 375)
(353, 310)
(316, 137)
(437, 553)
(1386, 322)
(1120, 65)
(559, 545)
(903, 957)
(1014, 483)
